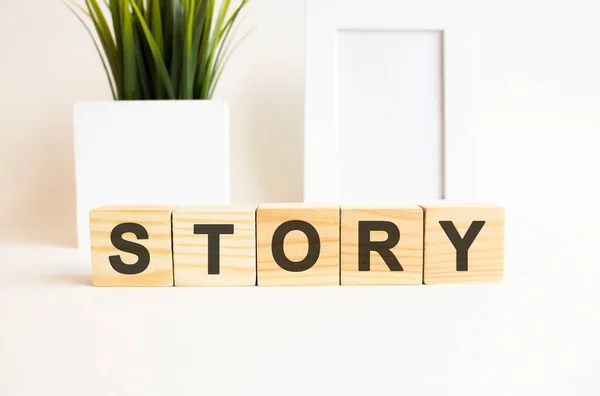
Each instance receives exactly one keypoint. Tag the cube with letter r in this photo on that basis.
(381, 245)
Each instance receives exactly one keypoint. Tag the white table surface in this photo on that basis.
(538, 333)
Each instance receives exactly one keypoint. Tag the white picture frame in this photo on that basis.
(323, 20)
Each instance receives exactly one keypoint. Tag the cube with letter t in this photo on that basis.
(214, 246)
(297, 244)
(131, 246)
(463, 244)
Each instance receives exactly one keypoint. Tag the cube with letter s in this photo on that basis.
(131, 245)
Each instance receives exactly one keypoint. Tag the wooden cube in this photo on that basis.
(382, 246)
(463, 244)
(131, 246)
(297, 244)
(214, 246)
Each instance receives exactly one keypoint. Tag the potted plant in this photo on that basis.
(162, 140)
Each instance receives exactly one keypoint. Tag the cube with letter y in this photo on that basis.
(214, 246)
(382, 245)
(297, 244)
(463, 244)
(131, 245)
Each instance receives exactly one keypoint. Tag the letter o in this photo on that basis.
(314, 246)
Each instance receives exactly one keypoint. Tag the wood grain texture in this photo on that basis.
(485, 255)
(408, 251)
(237, 252)
(156, 219)
(324, 218)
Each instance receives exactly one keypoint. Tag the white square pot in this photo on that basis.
(149, 152)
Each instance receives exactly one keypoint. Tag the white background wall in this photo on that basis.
(536, 107)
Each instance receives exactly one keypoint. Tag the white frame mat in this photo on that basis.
(323, 20)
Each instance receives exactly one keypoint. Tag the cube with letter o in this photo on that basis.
(297, 244)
